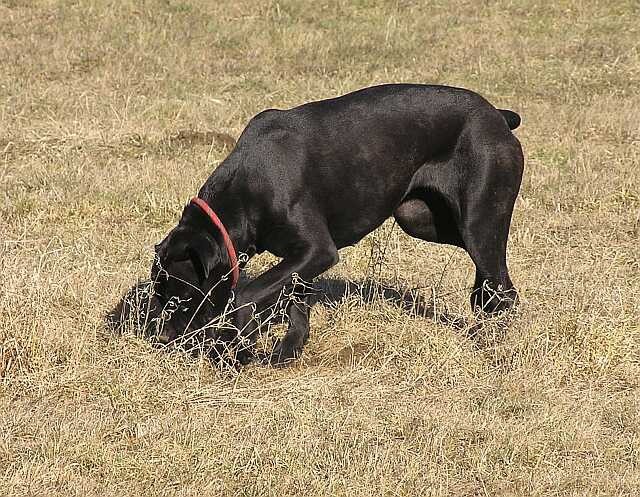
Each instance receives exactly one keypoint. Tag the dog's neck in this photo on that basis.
(234, 212)
(235, 220)
(234, 216)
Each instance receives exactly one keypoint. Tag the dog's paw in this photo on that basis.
(245, 356)
(283, 354)
(487, 300)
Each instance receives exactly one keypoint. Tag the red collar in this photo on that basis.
(233, 258)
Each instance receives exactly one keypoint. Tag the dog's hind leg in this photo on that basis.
(486, 217)
(476, 217)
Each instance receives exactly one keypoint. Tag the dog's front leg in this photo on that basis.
(263, 292)
(290, 346)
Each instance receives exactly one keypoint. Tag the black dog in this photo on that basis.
(305, 182)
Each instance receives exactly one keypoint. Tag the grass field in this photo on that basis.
(108, 120)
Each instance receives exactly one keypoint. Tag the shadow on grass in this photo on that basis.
(139, 312)
(485, 331)
(333, 291)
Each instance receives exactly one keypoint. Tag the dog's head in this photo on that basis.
(191, 270)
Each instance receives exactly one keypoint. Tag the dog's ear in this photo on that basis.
(204, 253)
(199, 248)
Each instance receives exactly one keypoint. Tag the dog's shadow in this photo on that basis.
(333, 291)
(483, 332)
(139, 308)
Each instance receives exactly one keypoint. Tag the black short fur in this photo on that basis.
(303, 183)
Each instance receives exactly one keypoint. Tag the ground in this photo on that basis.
(112, 114)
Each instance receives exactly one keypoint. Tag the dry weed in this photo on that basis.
(112, 116)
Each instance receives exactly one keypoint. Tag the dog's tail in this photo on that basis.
(513, 119)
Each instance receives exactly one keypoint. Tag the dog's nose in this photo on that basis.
(166, 335)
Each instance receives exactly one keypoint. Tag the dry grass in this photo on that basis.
(108, 115)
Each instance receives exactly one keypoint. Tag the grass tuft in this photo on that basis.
(113, 115)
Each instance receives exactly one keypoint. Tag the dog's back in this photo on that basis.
(358, 153)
